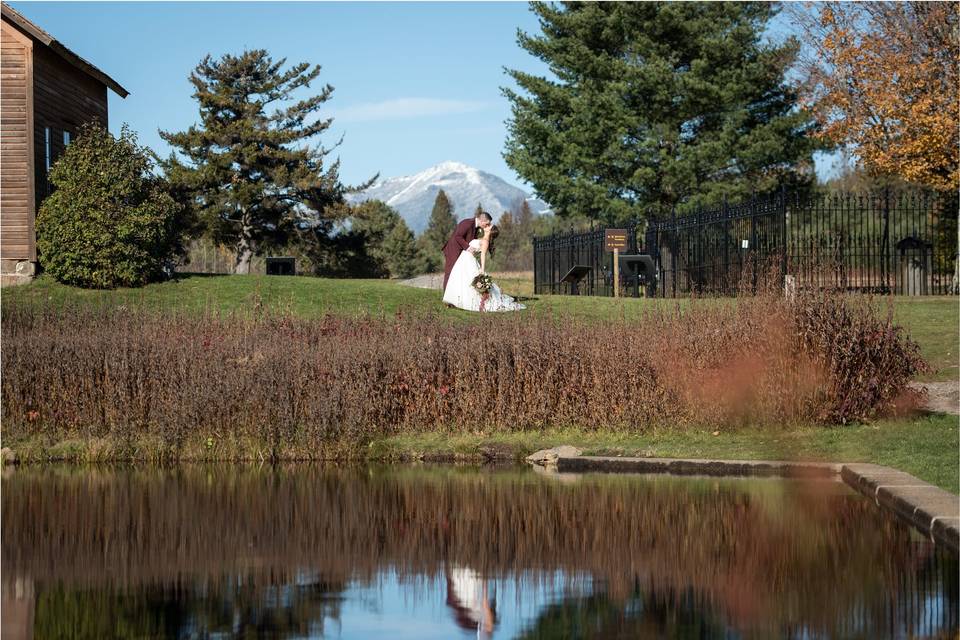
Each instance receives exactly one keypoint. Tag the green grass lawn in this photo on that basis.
(933, 323)
(925, 447)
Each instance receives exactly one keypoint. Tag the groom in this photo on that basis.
(460, 240)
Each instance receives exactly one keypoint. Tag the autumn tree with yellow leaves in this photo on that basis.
(882, 78)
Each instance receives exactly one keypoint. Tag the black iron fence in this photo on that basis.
(899, 242)
(555, 255)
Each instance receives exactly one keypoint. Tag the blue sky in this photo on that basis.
(414, 83)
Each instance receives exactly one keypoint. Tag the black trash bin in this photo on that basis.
(281, 266)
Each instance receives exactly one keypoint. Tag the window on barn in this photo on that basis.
(48, 157)
(46, 147)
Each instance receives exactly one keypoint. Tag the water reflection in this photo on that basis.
(306, 551)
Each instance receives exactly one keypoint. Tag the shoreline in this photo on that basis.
(931, 510)
(924, 447)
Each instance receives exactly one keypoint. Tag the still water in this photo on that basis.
(457, 552)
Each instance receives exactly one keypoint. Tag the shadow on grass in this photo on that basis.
(187, 275)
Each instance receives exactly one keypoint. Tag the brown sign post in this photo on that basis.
(615, 240)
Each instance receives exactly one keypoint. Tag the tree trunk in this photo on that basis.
(244, 248)
(242, 265)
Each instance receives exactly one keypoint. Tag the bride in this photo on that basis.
(460, 291)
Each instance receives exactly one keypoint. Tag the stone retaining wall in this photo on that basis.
(933, 511)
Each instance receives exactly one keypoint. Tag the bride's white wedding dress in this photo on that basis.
(460, 292)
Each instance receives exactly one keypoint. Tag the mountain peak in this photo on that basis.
(413, 196)
(452, 165)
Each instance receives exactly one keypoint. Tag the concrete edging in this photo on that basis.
(932, 510)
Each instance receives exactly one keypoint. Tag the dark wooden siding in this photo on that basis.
(64, 98)
(17, 205)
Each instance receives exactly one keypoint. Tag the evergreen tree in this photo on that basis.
(441, 225)
(524, 216)
(401, 256)
(388, 242)
(251, 174)
(336, 255)
(653, 105)
(514, 244)
(508, 243)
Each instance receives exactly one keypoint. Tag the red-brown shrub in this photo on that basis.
(282, 380)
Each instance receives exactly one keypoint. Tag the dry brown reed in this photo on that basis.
(291, 383)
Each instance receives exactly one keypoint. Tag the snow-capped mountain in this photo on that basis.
(413, 196)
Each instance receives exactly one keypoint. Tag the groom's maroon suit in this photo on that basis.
(457, 244)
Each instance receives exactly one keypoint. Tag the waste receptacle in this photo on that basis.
(916, 266)
(281, 266)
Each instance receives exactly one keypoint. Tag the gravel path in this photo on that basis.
(429, 281)
(943, 397)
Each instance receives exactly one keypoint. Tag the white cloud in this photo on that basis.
(403, 108)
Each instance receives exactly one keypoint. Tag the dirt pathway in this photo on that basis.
(429, 281)
(943, 397)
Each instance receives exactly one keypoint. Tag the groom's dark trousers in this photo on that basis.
(457, 244)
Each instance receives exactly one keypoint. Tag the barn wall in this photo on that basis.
(64, 98)
(17, 201)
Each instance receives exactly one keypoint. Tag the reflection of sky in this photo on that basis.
(417, 610)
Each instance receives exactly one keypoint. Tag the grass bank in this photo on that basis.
(925, 447)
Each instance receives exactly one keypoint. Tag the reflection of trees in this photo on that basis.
(761, 556)
(639, 616)
(236, 608)
(649, 612)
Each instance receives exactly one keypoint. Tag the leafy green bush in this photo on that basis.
(110, 222)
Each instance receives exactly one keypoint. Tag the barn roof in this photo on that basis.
(57, 47)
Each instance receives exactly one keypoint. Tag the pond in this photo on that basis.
(445, 552)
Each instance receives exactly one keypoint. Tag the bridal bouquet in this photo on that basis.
(482, 283)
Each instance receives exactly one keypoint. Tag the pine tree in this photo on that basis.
(251, 174)
(507, 243)
(401, 255)
(388, 242)
(441, 225)
(524, 216)
(514, 245)
(652, 105)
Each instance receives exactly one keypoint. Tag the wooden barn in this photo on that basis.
(46, 93)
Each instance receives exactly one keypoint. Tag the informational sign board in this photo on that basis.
(615, 239)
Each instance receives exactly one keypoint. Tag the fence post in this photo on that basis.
(553, 263)
(885, 241)
(753, 242)
(783, 235)
(535, 251)
(673, 250)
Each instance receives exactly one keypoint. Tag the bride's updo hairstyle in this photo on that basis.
(492, 233)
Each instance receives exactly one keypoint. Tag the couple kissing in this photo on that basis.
(466, 284)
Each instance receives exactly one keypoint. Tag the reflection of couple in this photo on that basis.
(472, 237)
(469, 597)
